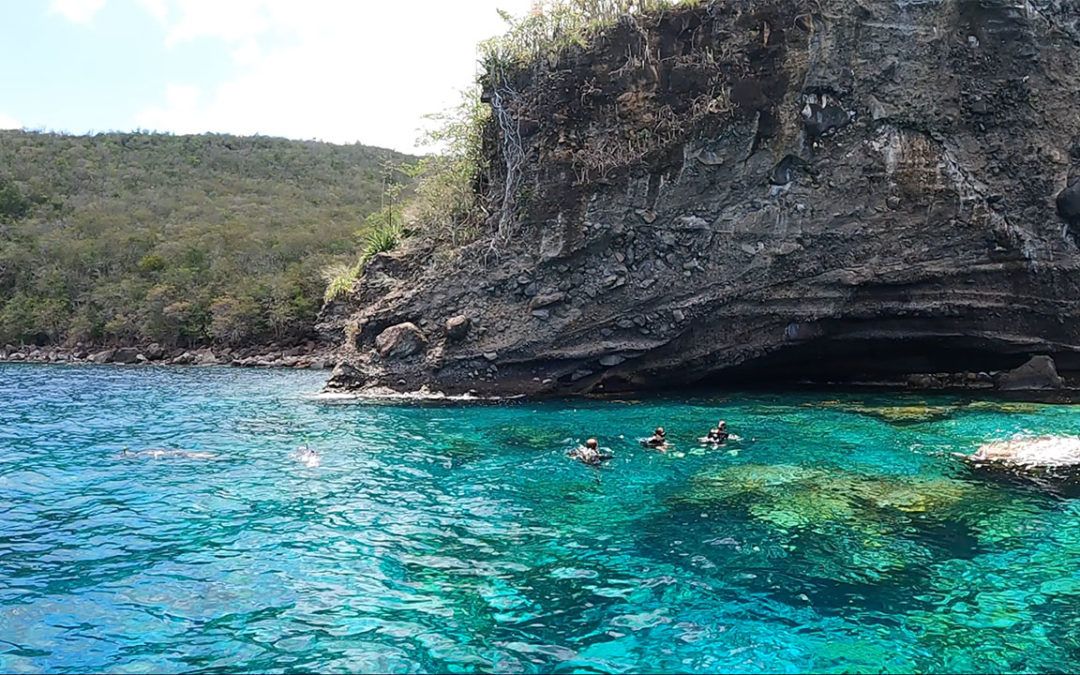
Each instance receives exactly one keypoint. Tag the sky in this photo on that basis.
(342, 71)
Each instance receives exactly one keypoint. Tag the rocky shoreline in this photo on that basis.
(311, 355)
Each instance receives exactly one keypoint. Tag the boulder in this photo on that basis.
(1037, 374)
(345, 376)
(400, 341)
(154, 352)
(457, 327)
(185, 359)
(125, 355)
(205, 357)
(104, 356)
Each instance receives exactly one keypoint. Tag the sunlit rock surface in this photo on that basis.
(1053, 452)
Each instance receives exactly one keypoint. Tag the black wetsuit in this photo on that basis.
(716, 436)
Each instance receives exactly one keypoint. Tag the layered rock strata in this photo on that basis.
(772, 191)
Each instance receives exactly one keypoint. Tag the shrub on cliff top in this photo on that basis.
(556, 25)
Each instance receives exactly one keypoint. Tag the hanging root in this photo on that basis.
(513, 153)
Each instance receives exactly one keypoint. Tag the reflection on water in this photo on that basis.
(840, 536)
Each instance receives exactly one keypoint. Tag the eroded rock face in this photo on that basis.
(834, 191)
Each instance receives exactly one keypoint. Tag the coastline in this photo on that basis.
(311, 356)
(318, 356)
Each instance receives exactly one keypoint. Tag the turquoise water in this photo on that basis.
(839, 536)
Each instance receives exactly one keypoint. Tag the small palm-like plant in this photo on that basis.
(380, 239)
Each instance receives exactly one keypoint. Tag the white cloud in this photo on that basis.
(8, 122)
(78, 11)
(338, 71)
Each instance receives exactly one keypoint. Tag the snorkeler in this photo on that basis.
(307, 457)
(719, 434)
(590, 453)
(658, 440)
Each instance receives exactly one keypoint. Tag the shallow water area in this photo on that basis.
(840, 535)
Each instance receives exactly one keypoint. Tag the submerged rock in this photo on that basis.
(905, 414)
(833, 523)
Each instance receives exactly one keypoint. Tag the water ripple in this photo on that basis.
(460, 538)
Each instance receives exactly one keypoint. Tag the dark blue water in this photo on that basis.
(839, 536)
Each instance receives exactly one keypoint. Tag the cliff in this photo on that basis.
(782, 190)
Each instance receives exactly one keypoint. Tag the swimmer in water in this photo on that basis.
(590, 453)
(718, 435)
(307, 457)
(658, 440)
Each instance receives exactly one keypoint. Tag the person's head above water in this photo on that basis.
(659, 431)
(592, 444)
(721, 425)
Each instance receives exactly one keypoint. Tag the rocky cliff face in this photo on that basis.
(777, 190)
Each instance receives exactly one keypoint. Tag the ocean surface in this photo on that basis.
(840, 535)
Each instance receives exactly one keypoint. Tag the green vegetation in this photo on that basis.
(446, 206)
(182, 240)
(554, 26)
(382, 232)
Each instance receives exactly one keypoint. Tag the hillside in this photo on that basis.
(123, 238)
